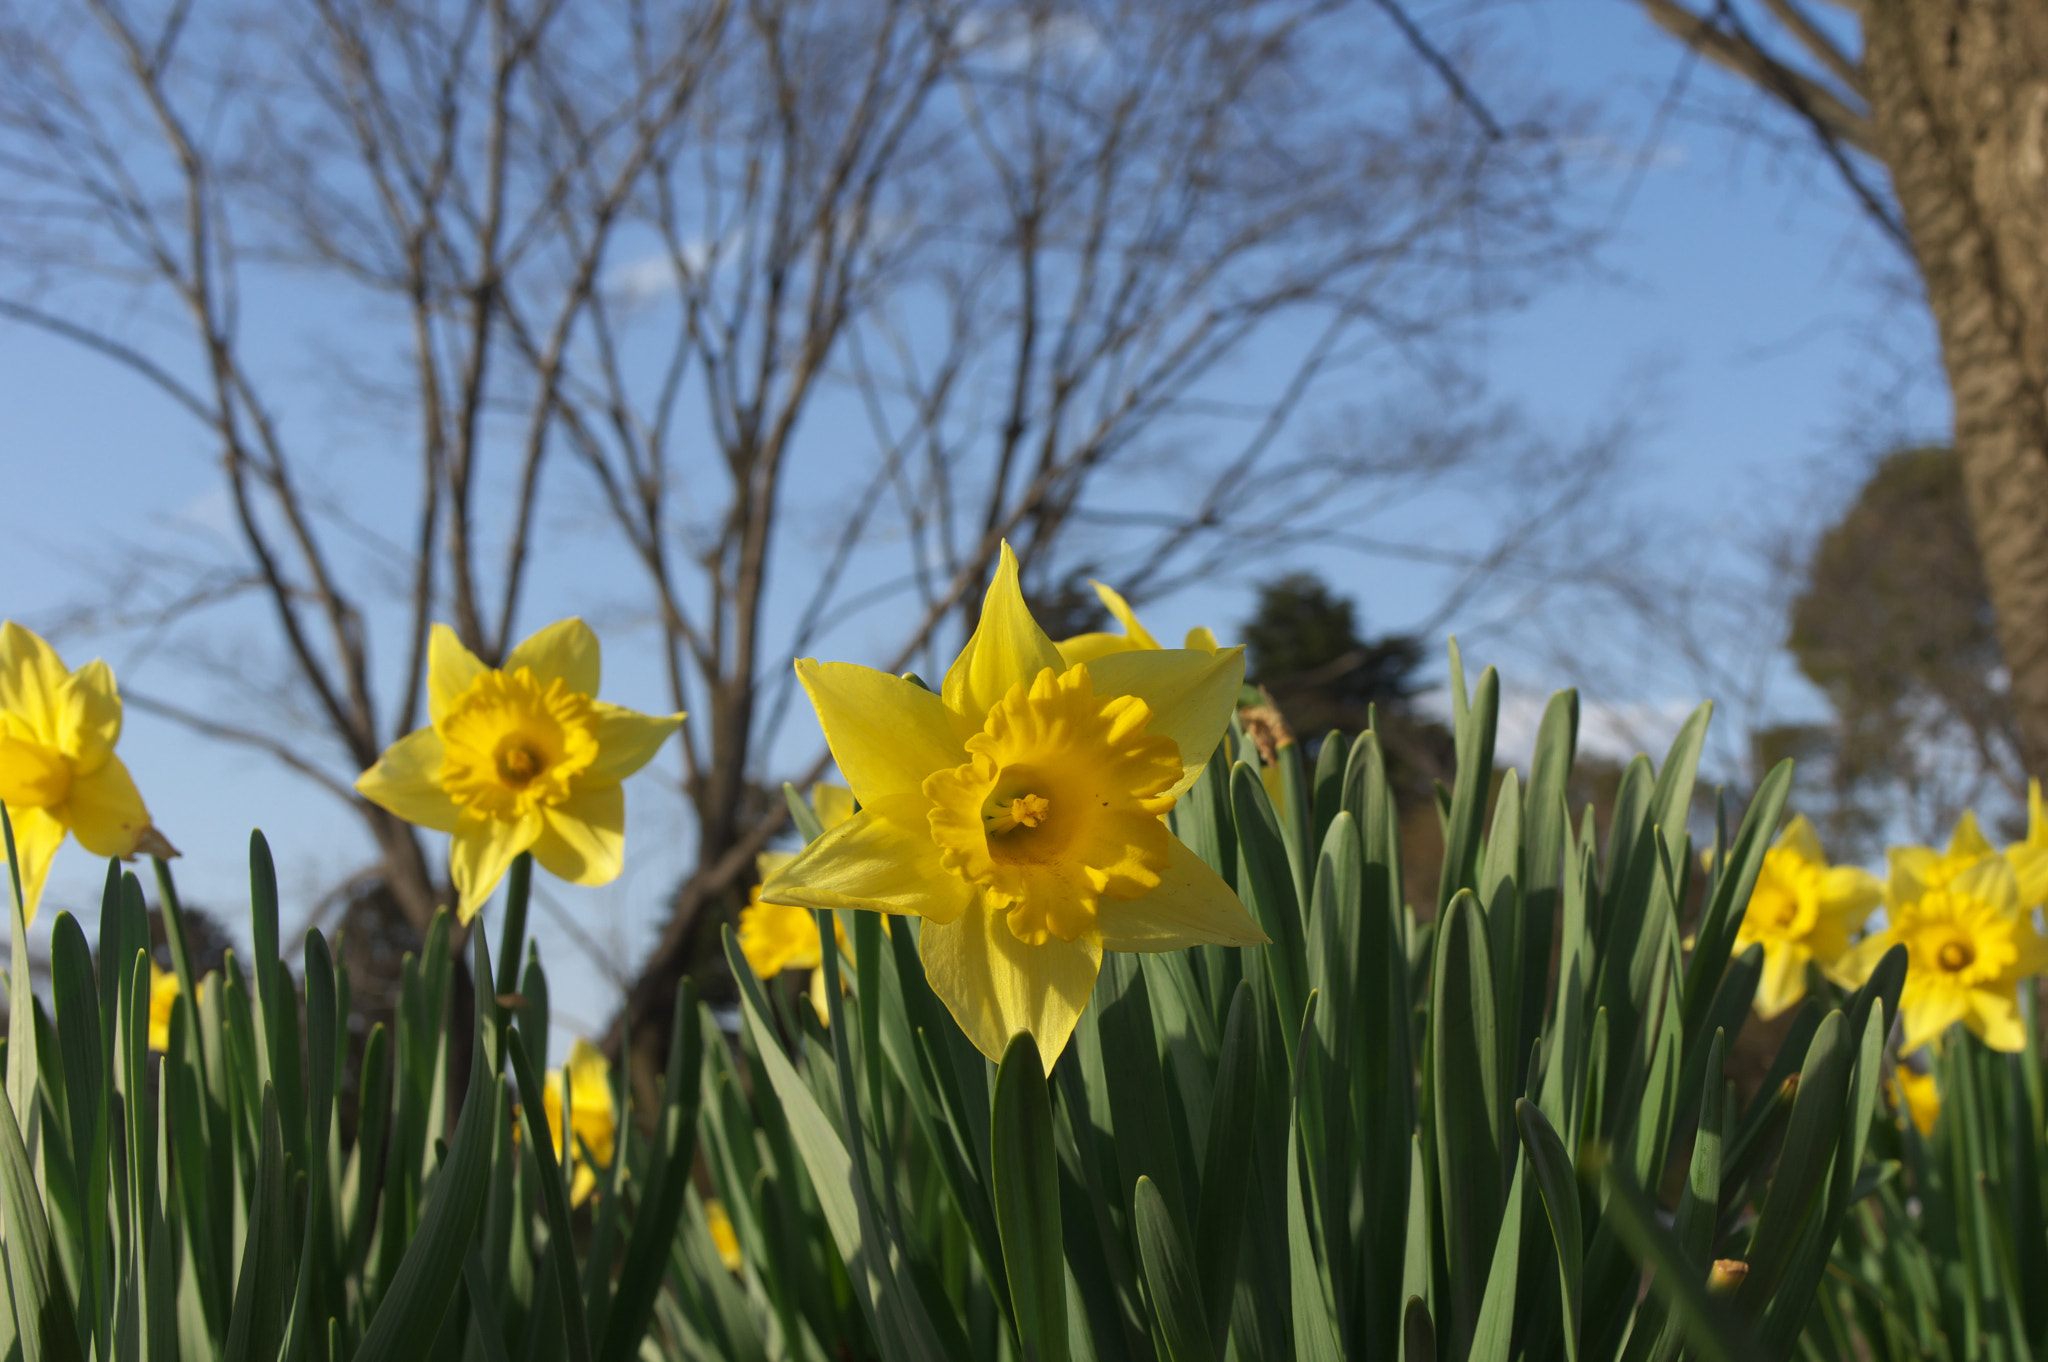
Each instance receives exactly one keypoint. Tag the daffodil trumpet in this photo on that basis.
(1020, 812)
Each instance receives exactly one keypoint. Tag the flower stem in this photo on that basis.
(512, 940)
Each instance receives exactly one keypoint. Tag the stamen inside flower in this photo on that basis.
(1955, 955)
(513, 746)
(1058, 806)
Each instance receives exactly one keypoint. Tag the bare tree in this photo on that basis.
(801, 293)
(1932, 113)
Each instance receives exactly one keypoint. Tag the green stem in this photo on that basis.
(512, 939)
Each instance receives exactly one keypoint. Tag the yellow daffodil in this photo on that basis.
(1088, 647)
(593, 1121)
(1018, 812)
(1915, 1095)
(2030, 858)
(163, 993)
(722, 1238)
(1968, 945)
(775, 937)
(58, 771)
(524, 758)
(1801, 911)
(1935, 869)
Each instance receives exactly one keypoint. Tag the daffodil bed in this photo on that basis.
(1125, 1045)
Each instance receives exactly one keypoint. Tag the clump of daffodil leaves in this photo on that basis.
(1018, 812)
(58, 771)
(519, 758)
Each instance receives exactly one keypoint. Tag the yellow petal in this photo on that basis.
(1848, 893)
(1008, 649)
(480, 854)
(626, 741)
(1203, 638)
(774, 937)
(1127, 617)
(1192, 906)
(1921, 1097)
(583, 839)
(1968, 840)
(1088, 647)
(821, 1002)
(1783, 982)
(887, 734)
(1991, 880)
(105, 811)
(722, 1237)
(996, 986)
(1932, 1012)
(1800, 838)
(1852, 969)
(1192, 696)
(407, 781)
(30, 675)
(1996, 1021)
(33, 773)
(451, 668)
(882, 860)
(37, 835)
(583, 1183)
(88, 716)
(832, 803)
(566, 651)
(1908, 871)
(163, 995)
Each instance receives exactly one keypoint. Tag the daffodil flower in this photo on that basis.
(1018, 812)
(722, 1237)
(163, 995)
(2029, 859)
(523, 758)
(1967, 845)
(1915, 1096)
(593, 1121)
(58, 771)
(1088, 647)
(1801, 911)
(1968, 945)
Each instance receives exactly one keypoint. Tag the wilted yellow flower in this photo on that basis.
(722, 1238)
(524, 758)
(1088, 647)
(1968, 945)
(1917, 1097)
(1802, 910)
(1018, 812)
(2029, 858)
(593, 1121)
(58, 771)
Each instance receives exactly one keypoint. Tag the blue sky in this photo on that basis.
(1737, 310)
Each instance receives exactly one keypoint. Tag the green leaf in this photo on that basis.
(554, 1197)
(1469, 791)
(1467, 1102)
(1232, 1116)
(1710, 1330)
(266, 1285)
(409, 1316)
(1722, 918)
(1799, 1190)
(1263, 869)
(1557, 1185)
(1493, 1336)
(1418, 1335)
(666, 1181)
(47, 1327)
(1170, 1278)
(1024, 1175)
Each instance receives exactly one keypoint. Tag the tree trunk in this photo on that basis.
(1959, 100)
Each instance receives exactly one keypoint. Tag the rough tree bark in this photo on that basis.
(1959, 106)
(1950, 99)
